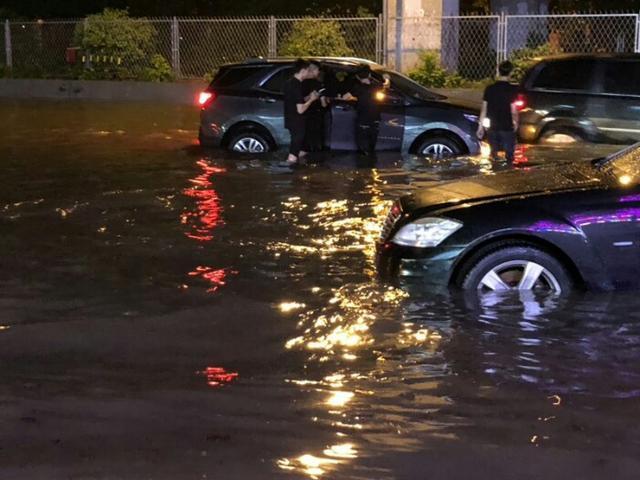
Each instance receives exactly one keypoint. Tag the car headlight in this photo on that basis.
(426, 232)
(471, 118)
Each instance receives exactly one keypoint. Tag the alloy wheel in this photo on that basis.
(249, 145)
(437, 150)
(519, 275)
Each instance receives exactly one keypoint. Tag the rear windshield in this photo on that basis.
(232, 76)
(573, 74)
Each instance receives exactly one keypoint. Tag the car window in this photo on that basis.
(621, 77)
(229, 77)
(575, 74)
(276, 82)
(403, 84)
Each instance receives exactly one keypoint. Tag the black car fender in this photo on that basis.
(555, 235)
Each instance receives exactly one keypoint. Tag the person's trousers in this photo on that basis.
(298, 136)
(314, 139)
(502, 141)
(367, 137)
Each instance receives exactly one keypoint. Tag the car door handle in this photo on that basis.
(343, 107)
(267, 100)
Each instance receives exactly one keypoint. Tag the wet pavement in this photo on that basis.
(169, 313)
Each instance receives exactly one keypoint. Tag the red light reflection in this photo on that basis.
(520, 156)
(208, 212)
(218, 376)
(215, 276)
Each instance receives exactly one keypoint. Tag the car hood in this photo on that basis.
(505, 184)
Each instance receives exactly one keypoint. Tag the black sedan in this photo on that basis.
(551, 229)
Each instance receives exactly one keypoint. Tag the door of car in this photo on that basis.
(343, 123)
(269, 108)
(611, 222)
(619, 100)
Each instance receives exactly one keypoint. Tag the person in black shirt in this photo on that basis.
(296, 105)
(499, 115)
(365, 91)
(314, 139)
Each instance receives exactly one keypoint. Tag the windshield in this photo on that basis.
(410, 88)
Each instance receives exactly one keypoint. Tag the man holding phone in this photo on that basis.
(296, 107)
(316, 113)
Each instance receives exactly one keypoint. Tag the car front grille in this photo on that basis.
(392, 217)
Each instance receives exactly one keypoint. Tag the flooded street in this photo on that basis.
(170, 313)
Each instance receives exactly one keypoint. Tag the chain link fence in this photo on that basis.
(571, 33)
(468, 46)
(192, 47)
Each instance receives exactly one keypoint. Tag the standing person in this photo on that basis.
(296, 107)
(315, 115)
(499, 114)
(365, 92)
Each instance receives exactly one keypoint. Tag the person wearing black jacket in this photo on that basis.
(296, 106)
(366, 92)
(315, 131)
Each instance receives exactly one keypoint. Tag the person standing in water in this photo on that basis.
(296, 106)
(499, 114)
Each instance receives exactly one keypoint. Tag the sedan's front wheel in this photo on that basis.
(518, 268)
(438, 147)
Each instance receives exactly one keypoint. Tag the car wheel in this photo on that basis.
(560, 137)
(518, 268)
(249, 142)
(438, 147)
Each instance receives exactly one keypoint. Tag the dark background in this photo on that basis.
(79, 8)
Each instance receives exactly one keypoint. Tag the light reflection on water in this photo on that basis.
(369, 369)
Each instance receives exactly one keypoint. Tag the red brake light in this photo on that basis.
(521, 102)
(205, 98)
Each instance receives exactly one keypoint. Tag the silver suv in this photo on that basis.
(242, 111)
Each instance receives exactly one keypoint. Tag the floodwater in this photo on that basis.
(168, 313)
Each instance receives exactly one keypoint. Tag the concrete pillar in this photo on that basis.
(414, 26)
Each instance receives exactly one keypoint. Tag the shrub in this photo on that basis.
(431, 74)
(313, 37)
(525, 58)
(120, 48)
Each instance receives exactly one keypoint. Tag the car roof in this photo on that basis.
(346, 61)
(595, 56)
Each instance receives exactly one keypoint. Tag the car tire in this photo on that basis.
(439, 147)
(560, 136)
(518, 267)
(249, 142)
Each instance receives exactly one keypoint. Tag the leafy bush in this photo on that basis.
(313, 37)
(431, 74)
(120, 48)
(526, 58)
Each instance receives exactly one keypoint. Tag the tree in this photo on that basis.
(120, 48)
(312, 37)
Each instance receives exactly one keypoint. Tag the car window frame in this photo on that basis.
(270, 75)
(601, 91)
(594, 86)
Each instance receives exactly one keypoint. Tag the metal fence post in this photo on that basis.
(636, 41)
(175, 47)
(379, 39)
(273, 37)
(8, 51)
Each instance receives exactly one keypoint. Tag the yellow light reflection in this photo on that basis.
(286, 307)
(625, 179)
(344, 450)
(340, 398)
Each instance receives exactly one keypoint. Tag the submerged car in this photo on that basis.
(585, 97)
(242, 110)
(544, 230)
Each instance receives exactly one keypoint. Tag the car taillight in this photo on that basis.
(521, 102)
(205, 99)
